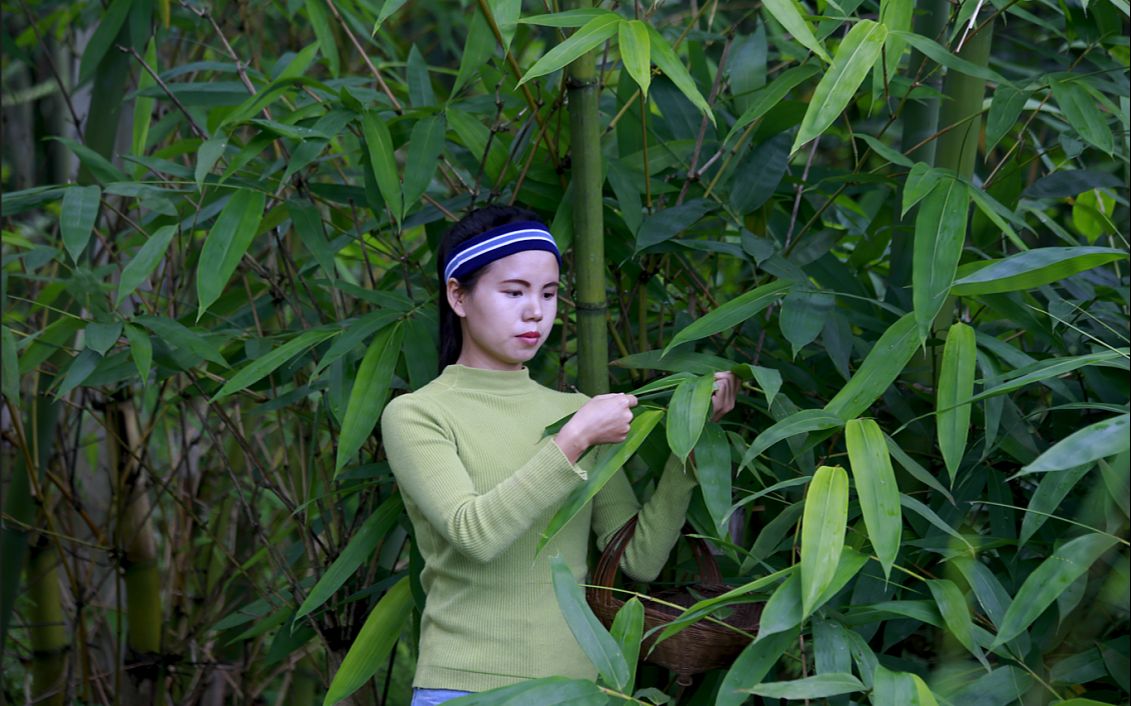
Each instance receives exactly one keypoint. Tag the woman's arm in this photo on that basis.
(428, 470)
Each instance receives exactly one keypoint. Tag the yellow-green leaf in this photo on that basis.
(370, 649)
(876, 487)
(822, 532)
(956, 383)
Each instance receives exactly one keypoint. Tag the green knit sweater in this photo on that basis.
(480, 482)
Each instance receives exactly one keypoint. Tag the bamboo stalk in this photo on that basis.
(588, 221)
(47, 632)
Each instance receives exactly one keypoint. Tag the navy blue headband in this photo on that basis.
(497, 243)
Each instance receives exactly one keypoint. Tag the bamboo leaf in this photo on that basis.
(477, 51)
(752, 665)
(666, 60)
(308, 224)
(783, 610)
(817, 686)
(379, 145)
(628, 629)
(635, 52)
(771, 95)
(787, 13)
(731, 314)
(1079, 107)
(101, 337)
(141, 350)
(915, 469)
(369, 394)
(956, 614)
(900, 688)
(1031, 269)
(10, 367)
(1048, 581)
(597, 643)
(609, 462)
(148, 256)
(854, 58)
(803, 315)
(1101, 439)
(180, 336)
(424, 148)
(940, 233)
(211, 150)
(77, 217)
(230, 237)
(102, 169)
(388, 8)
(713, 469)
(371, 648)
(591, 35)
(80, 368)
(320, 23)
(1005, 108)
(763, 169)
(801, 422)
(568, 18)
(822, 532)
(920, 181)
(705, 607)
(358, 551)
(956, 383)
(880, 368)
(687, 414)
(263, 366)
(941, 55)
(103, 38)
(876, 487)
(1050, 492)
(930, 516)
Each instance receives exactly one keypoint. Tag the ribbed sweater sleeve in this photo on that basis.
(480, 526)
(661, 518)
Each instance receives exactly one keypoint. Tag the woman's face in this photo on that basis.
(507, 316)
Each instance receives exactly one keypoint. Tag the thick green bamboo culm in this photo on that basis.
(920, 117)
(46, 628)
(961, 112)
(588, 221)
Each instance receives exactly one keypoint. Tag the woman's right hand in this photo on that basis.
(605, 419)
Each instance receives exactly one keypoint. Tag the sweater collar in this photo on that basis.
(483, 380)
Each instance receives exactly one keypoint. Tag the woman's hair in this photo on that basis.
(471, 225)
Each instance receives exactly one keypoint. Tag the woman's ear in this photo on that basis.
(456, 294)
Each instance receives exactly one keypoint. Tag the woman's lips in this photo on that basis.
(530, 337)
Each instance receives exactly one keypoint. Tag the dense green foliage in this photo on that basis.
(904, 225)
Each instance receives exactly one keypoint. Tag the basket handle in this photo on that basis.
(607, 566)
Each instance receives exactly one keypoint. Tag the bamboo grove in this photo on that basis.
(903, 224)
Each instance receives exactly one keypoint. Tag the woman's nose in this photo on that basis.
(534, 309)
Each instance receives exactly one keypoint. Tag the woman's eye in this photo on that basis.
(549, 295)
(513, 293)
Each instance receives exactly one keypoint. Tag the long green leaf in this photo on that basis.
(855, 56)
(594, 640)
(103, 38)
(180, 336)
(880, 368)
(687, 413)
(1079, 107)
(1050, 492)
(731, 314)
(953, 608)
(771, 95)
(370, 392)
(359, 550)
(589, 37)
(144, 262)
(1048, 581)
(803, 315)
(10, 365)
(370, 649)
(569, 18)
(379, 145)
(876, 487)
(1031, 269)
(705, 607)
(1101, 439)
(713, 470)
(940, 233)
(802, 422)
(787, 13)
(263, 366)
(424, 148)
(628, 629)
(320, 23)
(636, 53)
(783, 611)
(822, 532)
(229, 239)
(818, 686)
(752, 665)
(931, 516)
(610, 461)
(665, 58)
(956, 383)
(141, 350)
(941, 55)
(76, 220)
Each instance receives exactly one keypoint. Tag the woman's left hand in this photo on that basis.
(722, 399)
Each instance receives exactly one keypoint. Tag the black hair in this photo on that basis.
(471, 225)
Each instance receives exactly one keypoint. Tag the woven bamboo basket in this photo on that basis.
(702, 646)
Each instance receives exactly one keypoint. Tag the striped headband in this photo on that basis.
(497, 243)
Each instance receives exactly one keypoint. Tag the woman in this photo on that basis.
(481, 480)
